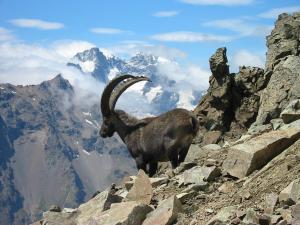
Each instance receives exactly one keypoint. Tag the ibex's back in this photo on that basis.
(168, 134)
(153, 139)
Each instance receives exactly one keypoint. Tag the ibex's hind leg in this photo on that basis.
(171, 150)
(173, 157)
(182, 154)
(152, 168)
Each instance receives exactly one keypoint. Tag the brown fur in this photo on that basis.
(150, 140)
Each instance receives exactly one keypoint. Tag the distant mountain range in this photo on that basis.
(161, 93)
(50, 149)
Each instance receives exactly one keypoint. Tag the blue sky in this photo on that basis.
(188, 30)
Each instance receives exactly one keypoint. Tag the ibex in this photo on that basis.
(150, 140)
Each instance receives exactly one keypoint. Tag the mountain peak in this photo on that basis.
(57, 82)
(93, 54)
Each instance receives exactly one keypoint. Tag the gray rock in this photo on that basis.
(211, 147)
(198, 174)
(271, 201)
(283, 40)
(197, 187)
(99, 203)
(291, 111)
(55, 208)
(141, 190)
(184, 166)
(282, 88)
(166, 212)
(291, 194)
(251, 217)
(296, 211)
(223, 216)
(195, 152)
(123, 213)
(277, 123)
(244, 158)
(157, 181)
(186, 195)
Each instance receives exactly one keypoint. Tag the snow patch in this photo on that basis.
(33, 99)
(89, 122)
(13, 92)
(2, 88)
(107, 53)
(87, 113)
(86, 152)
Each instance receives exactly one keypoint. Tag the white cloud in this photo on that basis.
(218, 2)
(5, 34)
(273, 13)
(130, 48)
(35, 23)
(24, 64)
(186, 36)
(240, 26)
(68, 48)
(246, 58)
(106, 30)
(166, 13)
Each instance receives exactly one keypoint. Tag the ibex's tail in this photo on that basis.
(195, 124)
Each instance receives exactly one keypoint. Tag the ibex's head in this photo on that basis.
(109, 99)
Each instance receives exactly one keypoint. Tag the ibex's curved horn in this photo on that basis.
(105, 109)
(122, 87)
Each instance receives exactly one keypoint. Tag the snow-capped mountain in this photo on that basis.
(161, 93)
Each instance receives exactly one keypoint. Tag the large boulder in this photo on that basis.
(124, 213)
(166, 213)
(141, 190)
(291, 194)
(99, 203)
(251, 155)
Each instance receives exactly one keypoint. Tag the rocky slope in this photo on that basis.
(250, 177)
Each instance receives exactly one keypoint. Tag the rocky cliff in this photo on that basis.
(244, 167)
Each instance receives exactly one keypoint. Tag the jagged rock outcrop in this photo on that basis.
(282, 66)
(232, 100)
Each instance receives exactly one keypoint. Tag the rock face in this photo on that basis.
(283, 66)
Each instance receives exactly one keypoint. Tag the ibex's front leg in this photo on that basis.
(152, 168)
(140, 163)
